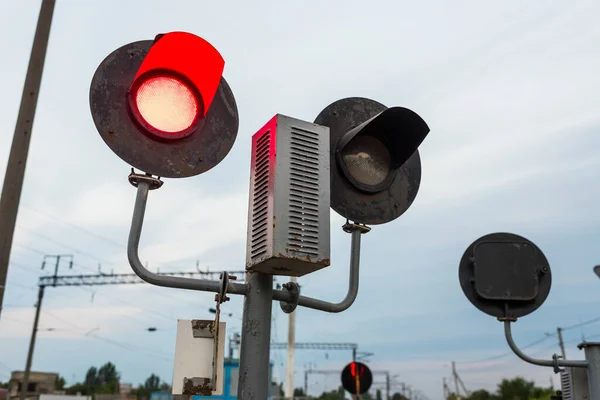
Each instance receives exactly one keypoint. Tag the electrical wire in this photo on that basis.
(74, 249)
(59, 220)
(153, 312)
(124, 345)
(537, 341)
(590, 321)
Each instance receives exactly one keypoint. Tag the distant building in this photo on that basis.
(39, 383)
(3, 394)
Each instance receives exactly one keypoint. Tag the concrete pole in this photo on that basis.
(455, 376)
(387, 385)
(561, 343)
(256, 336)
(17, 159)
(32, 344)
(289, 374)
(306, 383)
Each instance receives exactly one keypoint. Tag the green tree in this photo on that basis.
(151, 384)
(165, 387)
(60, 383)
(299, 392)
(398, 396)
(366, 396)
(91, 378)
(482, 395)
(338, 394)
(378, 395)
(515, 389)
(511, 389)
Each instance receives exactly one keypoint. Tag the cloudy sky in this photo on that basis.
(509, 90)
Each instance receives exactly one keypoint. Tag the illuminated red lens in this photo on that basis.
(166, 103)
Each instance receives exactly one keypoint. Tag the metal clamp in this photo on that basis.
(294, 289)
(209, 329)
(135, 179)
(555, 358)
(220, 297)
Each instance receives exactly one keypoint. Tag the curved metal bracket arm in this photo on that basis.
(309, 302)
(205, 285)
(545, 363)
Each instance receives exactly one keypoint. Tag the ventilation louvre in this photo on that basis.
(565, 384)
(260, 217)
(288, 222)
(303, 234)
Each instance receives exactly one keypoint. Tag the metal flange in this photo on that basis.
(294, 289)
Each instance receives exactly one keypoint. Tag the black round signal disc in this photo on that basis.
(210, 140)
(347, 199)
(505, 275)
(353, 372)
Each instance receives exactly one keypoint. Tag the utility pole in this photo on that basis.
(455, 377)
(17, 159)
(446, 390)
(561, 343)
(387, 385)
(25, 384)
(289, 380)
(306, 383)
(56, 280)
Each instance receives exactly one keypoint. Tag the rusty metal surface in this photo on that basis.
(202, 328)
(509, 307)
(294, 289)
(197, 386)
(367, 208)
(189, 156)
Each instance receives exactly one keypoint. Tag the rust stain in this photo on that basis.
(197, 386)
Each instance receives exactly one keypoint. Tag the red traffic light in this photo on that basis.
(356, 378)
(175, 84)
(163, 105)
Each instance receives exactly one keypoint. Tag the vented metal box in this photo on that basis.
(574, 384)
(288, 224)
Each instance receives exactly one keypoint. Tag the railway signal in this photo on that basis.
(507, 276)
(375, 164)
(356, 378)
(163, 105)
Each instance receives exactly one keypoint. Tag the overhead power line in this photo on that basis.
(535, 342)
(70, 224)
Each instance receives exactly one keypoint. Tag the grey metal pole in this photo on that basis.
(561, 343)
(592, 356)
(455, 377)
(306, 382)
(17, 159)
(289, 373)
(256, 336)
(387, 385)
(32, 345)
